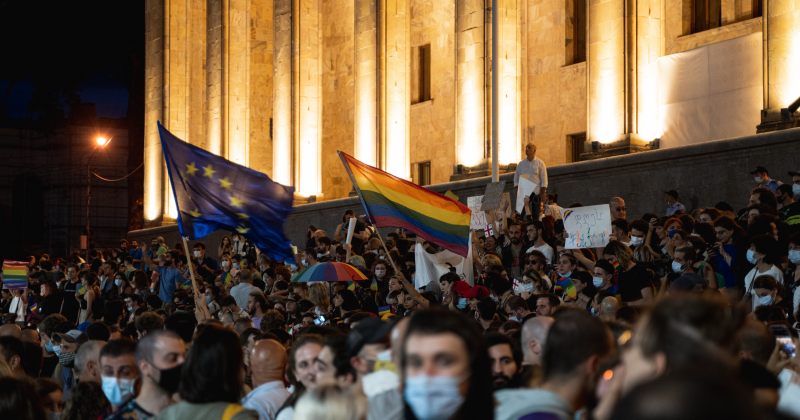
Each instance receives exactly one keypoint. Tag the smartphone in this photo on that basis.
(783, 338)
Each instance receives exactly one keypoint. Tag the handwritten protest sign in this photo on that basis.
(478, 219)
(587, 227)
(493, 195)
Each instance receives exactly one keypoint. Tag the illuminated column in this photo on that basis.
(508, 101)
(176, 87)
(783, 53)
(366, 81)
(282, 146)
(260, 86)
(469, 82)
(236, 81)
(154, 107)
(605, 63)
(308, 99)
(646, 28)
(214, 77)
(395, 86)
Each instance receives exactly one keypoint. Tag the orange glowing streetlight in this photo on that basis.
(101, 141)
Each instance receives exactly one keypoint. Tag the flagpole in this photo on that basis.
(410, 288)
(201, 310)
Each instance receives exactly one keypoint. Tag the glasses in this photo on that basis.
(620, 208)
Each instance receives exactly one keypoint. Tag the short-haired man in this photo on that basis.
(618, 209)
(241, 292)
(87, 361)
(159, 357)
(148, 322)
(534, 170)
(532, 340)
(506, 360)
(118, 371)
(517, 309)
(570, 365)
(536, 241)
(762, 179)
(546, 304)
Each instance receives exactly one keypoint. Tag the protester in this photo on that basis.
(268, 360)
(119, 371)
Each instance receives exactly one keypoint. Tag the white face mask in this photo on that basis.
(196, 253)
(794, 256)
(758, 179)
(796, 189)
(225, 265)
(523, 287)
(677, 267)
(433, 397)
(118, 282)
(751, 257)
(597, 281)
(636, 240)
(379, 273)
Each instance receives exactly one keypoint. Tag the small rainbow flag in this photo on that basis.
(393, 202)
(15, 275)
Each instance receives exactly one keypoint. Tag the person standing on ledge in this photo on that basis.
(533, 169)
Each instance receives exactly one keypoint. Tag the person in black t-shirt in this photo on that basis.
(635, 282)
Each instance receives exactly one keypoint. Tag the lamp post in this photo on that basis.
(100, 143)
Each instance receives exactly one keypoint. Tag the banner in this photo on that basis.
(15, 275)
(586, 227)
(429, 267)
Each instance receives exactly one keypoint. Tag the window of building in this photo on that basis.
(575, 143)
(421, 173)
(575, 36)
(706, 14)
(421, 74)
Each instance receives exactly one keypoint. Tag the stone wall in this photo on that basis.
(703, 174)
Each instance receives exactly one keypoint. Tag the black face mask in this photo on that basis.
(170, 379)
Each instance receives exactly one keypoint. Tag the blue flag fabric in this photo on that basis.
(213, 193)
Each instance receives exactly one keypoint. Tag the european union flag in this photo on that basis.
(213, 193)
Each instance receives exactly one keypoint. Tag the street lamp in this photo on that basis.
(100, 143)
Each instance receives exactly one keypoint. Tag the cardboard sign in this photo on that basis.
(586, 227)
(525, 188)
(478, 219)
(493, 195)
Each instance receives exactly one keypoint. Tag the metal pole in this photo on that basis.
(495, 169)
(88, 206)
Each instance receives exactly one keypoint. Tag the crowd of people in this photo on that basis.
(686, 314)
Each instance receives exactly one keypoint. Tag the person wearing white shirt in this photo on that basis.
(534, 170)
(268, 362)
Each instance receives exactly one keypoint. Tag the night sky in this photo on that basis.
(58, 53)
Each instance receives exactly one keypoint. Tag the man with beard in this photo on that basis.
(513, 251)
(159, 356)
(506, 359)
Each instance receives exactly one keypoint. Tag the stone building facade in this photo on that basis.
(281, 85)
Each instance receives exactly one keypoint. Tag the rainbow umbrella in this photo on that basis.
(329, 271)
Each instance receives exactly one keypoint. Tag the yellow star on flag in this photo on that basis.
(243, 215)
(208, 171)
(195, 213)
(191, 168)
(225, 183)
(236, 202)
(242, 230)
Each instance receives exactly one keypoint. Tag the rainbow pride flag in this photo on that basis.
(15, 275)
(393, 202)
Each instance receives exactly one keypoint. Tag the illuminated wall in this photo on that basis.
(605, 62)
(154, 99)
(783, 52)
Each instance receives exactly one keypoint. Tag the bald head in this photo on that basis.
(534, 336)
(11, 330)
(267, 361)
(608, 308)
(618, 209)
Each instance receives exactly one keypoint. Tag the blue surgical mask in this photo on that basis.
(751, 257)
(462, 303)
(56, 349)
(433, 397)
(117, 390)
(49, 347)
(597, 281)
(677, 267)
(794, 256)
(795, 189)
(765, 300)
(636, 240)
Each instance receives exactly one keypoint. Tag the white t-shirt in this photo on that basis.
(748, 279)
(545, 249)
(535, 170)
